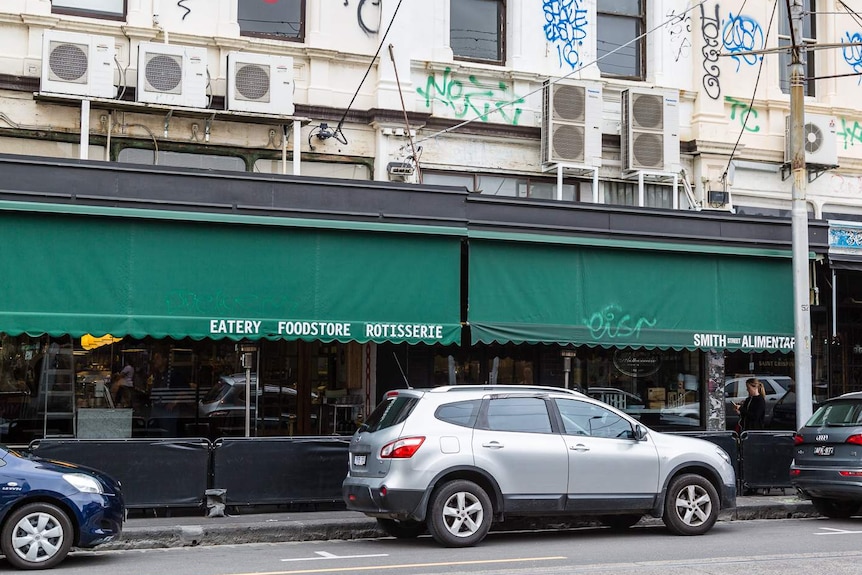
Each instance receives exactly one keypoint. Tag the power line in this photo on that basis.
(367, 71)
(753, 94)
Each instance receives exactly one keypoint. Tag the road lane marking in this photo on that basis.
(328, 555)
(836, 531)
(406, 566)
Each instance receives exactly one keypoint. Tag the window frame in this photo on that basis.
(300, 37)
(501, 35)
(520, 182)
(641, 20)
(809, 14)
(90, 13)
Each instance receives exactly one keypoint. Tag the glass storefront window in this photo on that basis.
(112, 387)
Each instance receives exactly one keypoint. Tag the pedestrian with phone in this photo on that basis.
(753, 409)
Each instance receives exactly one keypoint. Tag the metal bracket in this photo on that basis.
(814, 170)
(168, 121)
(207, 128)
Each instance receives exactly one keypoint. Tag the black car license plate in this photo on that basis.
(823, 450)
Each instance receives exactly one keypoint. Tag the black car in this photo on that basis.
(827, 457)
(784, 412)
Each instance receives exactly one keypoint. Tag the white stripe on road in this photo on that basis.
(327, 555)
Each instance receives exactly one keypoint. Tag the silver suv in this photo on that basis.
(455, 459)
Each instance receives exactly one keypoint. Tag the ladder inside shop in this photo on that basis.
(57, 389)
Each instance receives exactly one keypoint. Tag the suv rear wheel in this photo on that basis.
(834, 508)
(459, 514)
(691, 505)
(401, 529)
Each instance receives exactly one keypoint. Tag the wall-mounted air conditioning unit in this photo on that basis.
(819, 140)
(649, 135)
(260, 83)
(572, 123)
(173, 75)
(77, 64)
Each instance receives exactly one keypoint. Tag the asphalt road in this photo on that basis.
(785, 547)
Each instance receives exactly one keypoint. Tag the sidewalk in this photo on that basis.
(161, 532)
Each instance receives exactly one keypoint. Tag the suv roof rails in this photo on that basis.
(503, 387)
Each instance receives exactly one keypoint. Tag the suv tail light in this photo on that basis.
(403, 448)
(855, 439)
(797, 439)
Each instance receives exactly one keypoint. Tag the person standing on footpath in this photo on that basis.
(753, 409)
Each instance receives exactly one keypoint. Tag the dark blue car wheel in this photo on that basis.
(36, 536)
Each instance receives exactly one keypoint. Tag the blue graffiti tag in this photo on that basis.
(611, 323)
(742, 34)
(566, 27)
(853, 54)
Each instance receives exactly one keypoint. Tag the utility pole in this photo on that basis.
(799, 223)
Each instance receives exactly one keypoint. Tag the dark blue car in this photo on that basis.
(48, 507)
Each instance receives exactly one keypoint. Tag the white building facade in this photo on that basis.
(647, 106)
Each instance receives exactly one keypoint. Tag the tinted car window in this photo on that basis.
(582, 418)
(837, 414)
(459, 413)
(528, 414)
(391, 411)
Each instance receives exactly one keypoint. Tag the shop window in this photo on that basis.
(181, 159)
(619, 23)
(108, 9)
(618, 193)
(507, 186)
(284, 20)
(339, 170)
(477, 30)
(809, 39)
(449, 179)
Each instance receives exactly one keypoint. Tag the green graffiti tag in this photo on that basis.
(483, 99)
(611, 323)
(851, 131)
(745, 112)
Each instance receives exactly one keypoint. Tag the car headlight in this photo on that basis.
(83, 483)
(723, 454)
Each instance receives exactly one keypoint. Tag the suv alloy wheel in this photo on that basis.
(691, 506)
(460, 514)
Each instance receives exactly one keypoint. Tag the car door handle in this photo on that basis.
(579, 447)
(493, 445)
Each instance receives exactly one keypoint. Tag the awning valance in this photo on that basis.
(622, 297)
(78, 270)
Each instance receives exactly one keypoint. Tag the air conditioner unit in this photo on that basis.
(649, 135)
(260, 83)
(819, 140)
(172, 74)
(571, 123)
(77, 64)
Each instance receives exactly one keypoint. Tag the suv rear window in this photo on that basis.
(461, 413)
(839, 413)
(391, 411)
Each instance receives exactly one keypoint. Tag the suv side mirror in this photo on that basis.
(640, 432)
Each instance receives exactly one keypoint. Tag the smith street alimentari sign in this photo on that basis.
(723, 341)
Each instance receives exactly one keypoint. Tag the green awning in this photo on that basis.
(614, 296)
(76, 270)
